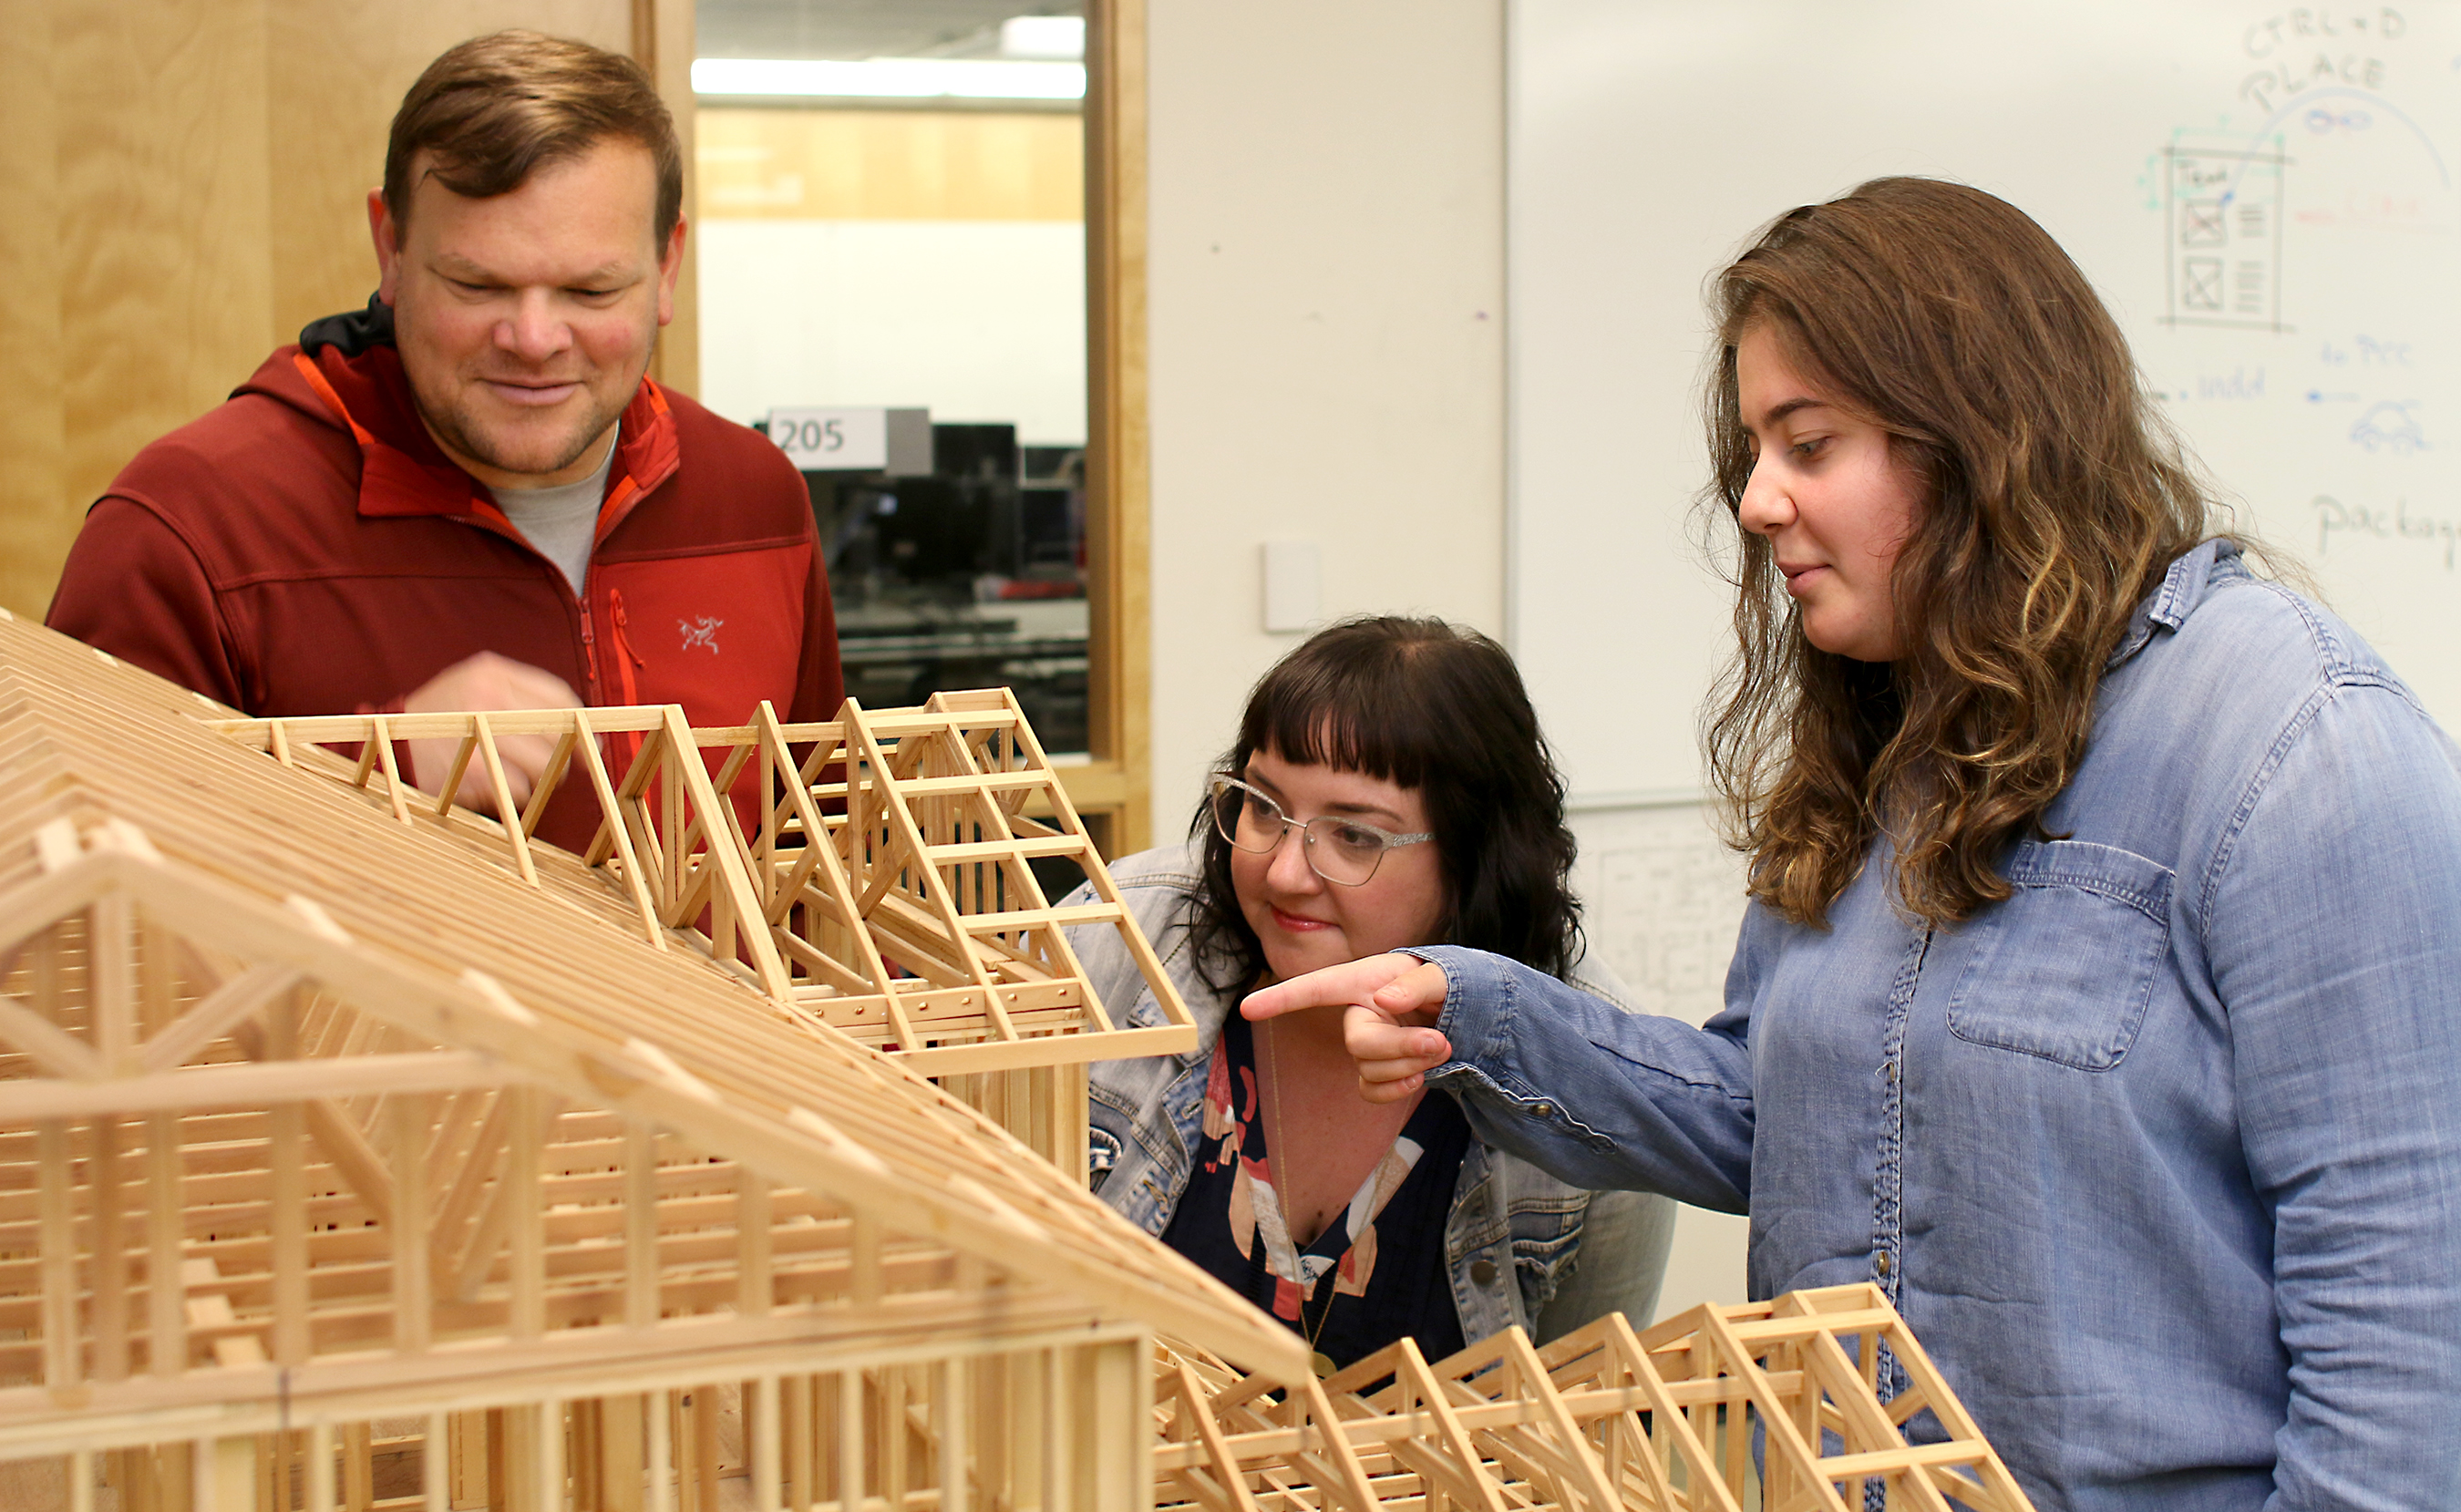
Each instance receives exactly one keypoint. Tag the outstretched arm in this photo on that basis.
(1596, 1096)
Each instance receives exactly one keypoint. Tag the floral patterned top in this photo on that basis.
(1385, 1260)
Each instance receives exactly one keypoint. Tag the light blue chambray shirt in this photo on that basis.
(2161, 1158)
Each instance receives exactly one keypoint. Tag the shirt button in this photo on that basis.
(1482, 1272)
(1881, 1265)
(1888, 1068)
(1544, 1109)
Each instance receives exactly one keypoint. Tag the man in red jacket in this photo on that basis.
(470, 495)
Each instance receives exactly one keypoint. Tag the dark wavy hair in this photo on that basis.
(2056, 498)
(1441, 710)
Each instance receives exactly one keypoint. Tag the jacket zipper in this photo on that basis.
(589, 649)
(626, 659)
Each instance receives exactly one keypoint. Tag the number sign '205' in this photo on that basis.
(833, 439)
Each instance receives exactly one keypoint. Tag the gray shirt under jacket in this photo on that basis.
(2161, 1157)
(1521, 1247)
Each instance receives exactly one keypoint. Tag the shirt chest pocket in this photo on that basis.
(2064, 969)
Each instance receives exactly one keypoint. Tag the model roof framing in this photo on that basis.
(307, 1122)
(919, 928)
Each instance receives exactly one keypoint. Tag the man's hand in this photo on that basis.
(1390, 1004)
(487, 682)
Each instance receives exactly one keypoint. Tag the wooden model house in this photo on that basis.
(333, 1154)
(1662, 1420)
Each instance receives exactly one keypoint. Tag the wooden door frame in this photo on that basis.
(1117, 784)
(1114, 789)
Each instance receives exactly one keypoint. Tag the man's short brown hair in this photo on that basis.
(496, 108)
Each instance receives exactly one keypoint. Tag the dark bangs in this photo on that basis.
(1440, 710)
(1348, 701)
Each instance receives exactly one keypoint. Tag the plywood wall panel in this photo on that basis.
(339, 71)
(37, 513)
(166, 286)
(182, 187)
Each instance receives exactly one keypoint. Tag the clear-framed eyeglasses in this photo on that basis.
(1344, 851)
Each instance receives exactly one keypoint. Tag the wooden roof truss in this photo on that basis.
(928, 871)
(674, 851)
(920, 928)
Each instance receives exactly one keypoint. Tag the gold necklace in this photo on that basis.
(1317, 1360)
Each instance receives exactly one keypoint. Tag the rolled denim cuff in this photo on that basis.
(1478, 1008)
(1483, 997)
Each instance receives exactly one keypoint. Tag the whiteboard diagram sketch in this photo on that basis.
(2225, 237)
(2260, 192)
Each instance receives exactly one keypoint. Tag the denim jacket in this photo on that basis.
(2161, 1157)
(1569, 1258)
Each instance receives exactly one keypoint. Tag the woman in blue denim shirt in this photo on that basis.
(1388, 786)
(2100, 996)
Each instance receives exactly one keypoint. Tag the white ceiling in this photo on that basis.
(862, 29)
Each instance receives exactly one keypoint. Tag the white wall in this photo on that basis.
(1327, 237)
(1327, 324)
(978, 320)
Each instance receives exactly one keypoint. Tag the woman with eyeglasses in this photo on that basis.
(1389, 786)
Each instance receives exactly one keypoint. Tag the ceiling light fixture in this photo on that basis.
(1054, 36)
(888, 77)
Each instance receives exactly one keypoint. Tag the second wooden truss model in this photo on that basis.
(1661, 1421)
(919, 926)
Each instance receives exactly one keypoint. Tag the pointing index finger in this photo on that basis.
(1354, 983)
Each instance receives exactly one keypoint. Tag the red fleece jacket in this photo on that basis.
(307, 548)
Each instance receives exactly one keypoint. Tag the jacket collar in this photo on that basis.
(403, 472)
(2191, 576)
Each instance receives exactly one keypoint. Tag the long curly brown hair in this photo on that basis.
(2055, 498)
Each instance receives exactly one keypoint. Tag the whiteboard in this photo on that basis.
(2264, 195)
